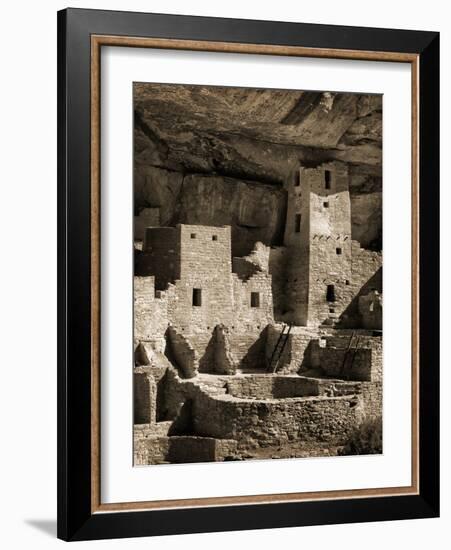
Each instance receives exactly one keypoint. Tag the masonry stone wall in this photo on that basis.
(280, 387)
(260, 256)
(150, 313)
(325, 271)
(213, 314)
(295, 355)
(245, 315)
(257, 260)
(366, 276)
(278, 260)
(160, 256)
(182, 450)
(148, 394)
(247, 347)
(260, 423)
(296, 284)
(144, 397)
(205, 265)
(257, 422)
(352, 356)
(271, 387)
(255, 411)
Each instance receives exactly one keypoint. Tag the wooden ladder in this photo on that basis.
(278, 348)
(349, 355)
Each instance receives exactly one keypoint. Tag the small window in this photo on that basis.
(327, 178)
(197, 297)
(297, 223)
(326, 204)
(214, 238)
(193, 235)
(330, 294)
(331, 310)
(255, 299)
(338, 251)
(297, 179)
(347, 282)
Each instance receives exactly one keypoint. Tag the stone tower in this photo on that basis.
(318, 236)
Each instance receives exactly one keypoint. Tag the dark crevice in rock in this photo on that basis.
(303, 107)
(153, 136)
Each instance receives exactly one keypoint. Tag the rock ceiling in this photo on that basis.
(203, 153)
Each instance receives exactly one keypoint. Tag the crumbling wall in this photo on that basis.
(150, 313)
(183, 353)
(244, 268)
(144, 396)
(224, 361)
(245, 315)
(149, 393)
(259, 256)
(257, 260)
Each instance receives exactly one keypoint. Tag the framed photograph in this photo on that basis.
(248, 274)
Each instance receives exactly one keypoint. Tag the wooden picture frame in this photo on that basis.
(81, 35)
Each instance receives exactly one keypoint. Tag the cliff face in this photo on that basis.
(212, 155)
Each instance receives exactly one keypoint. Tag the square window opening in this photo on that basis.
(255, 299)
(326, 204)
(193, 235)
(297, 179)
(197, 297)
(338, 250)
(297, 223)
(327, 178)
(214, 238)
(330, 293)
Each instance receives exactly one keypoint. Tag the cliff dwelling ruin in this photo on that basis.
(258, 283)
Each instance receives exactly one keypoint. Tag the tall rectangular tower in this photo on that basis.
(318, 234)
(205, 289)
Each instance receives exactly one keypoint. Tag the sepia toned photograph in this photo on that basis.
(257, 274)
